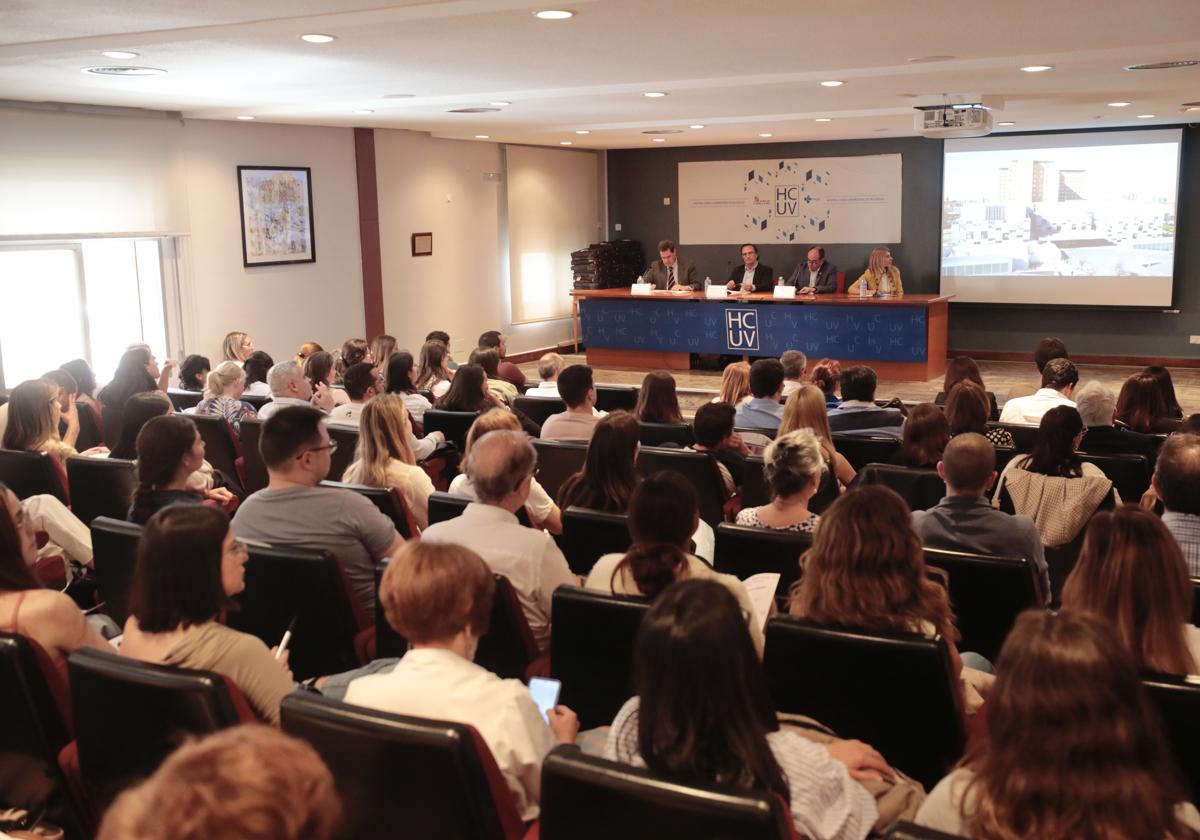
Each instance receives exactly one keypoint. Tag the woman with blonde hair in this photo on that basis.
(223, 395)
(735, 384)
(881, 275)
(793, 465)
(1075, 747)
(33, 417)
(236, 347)
(382, 348)
(385, 459)
(805, 409)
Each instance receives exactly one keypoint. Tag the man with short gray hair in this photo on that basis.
(549, 367)
(501, 466)
(1096, 405)
(794, 364)
(289, 387)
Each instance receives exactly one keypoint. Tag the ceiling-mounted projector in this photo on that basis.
(965, 120)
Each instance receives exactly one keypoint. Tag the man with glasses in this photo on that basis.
(816, 276)
(294, 511)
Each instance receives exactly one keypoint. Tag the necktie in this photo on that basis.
(670, 277)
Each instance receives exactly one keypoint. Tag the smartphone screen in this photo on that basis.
(545, 694)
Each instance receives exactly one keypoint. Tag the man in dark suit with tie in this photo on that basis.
(817, 276)
(751, 275)
(671, 272)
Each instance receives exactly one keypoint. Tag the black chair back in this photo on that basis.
(100, 487)
(1130, 474)
(988, 593)
(1004, 454)
(590, 534)
(221, 449)
(130, 715)
(1178, 703)
(32, 474)
(249, 433)
(755, 492)
(1023, 436)
(283, 583)
(388, 499)
(616, 397)
(665, 434)
(388, 643)
(404, 777)
(114, 559)
(453, 424)
(591, 651)
(921, 489)
(538, 409)
(698, 469)
(347, 446)
(910, 831)
(183, 400)
(1196, 601)
(558, 461)
(256, 401)
(443, 506)
(507, 648)
(110, 416)
(91, 427)
(589, 798)
(861, 450)
(896, 691)
(743, 551)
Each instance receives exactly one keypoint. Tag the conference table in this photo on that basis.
(900, 337)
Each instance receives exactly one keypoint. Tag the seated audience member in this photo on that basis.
(433, 373)
(354, 351)
(66, 394)
(34, 414)
(1064, 688)
(926, 434)
(489, 359)
(881, 276)
(1059, 378)
(169, 452)
(223, 395)
(664, 513)
(1131, 575)
(1177, 482)
(792, 466)
(444, 337)
(294, 511)
(1052, 484)
(763, 410)
(382, 348)
(509, 372)
(136, 372)
(468, 392)
(142, 408)
(250, 782)
(236, 347)
(318, 370)
(85, 381)
(578, 391)
(608, 477)
(1163, 377)
(657, 401)
(866, 570)
(384, 457)
(501, 468)
(964, 520)
(306, 350)
(1141, 406)
(189, 566)
(827, 375)
(1096, 406)
(48, 617)
(702, 714)
(543, 513)
(1047, 349)
(967, 411)
(794, 363)
(258, 365)
(735, 384)
(193, 372)
(715, 436)
(439, 597)
(400, 382)
(857, 414)
(965, 369)
(361, 383)
(805, 409)
(290, 388)
(549, 367)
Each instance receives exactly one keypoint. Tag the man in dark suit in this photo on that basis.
(817, 276)
(751, 275)
(671, 272)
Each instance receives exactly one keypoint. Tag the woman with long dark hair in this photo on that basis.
(657, 400)
(433, 373)
(318, 370)
(967, 410)
(193, 372)
(1165, 384)
(400, 369)
(1142, 406)
(926, 433)
(468, 391)
(258, 365)
(608, 477)
(169, 450)
(965, 369)
(136, 372)
(702, 714)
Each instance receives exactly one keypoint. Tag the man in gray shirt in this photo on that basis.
(294, 511)
(966, 521)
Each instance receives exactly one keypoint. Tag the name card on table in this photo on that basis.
(716, 292)
(785, 291)
(641, 288)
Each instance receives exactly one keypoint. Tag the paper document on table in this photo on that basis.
(761, 589)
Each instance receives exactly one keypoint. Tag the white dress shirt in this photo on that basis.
(440, 684)
(1028, 411)
(277, 403)
(544, 389)
(748, 276)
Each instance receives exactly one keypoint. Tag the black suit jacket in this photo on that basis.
(826, 277)
(763, 277)
(1107, 440)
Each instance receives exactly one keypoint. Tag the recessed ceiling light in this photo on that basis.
(553, 14)
(564, 142)
(696, 126)
(124, 71)
(500, 104)
(1117, 104)
(823, 119)
(660, 139)
(317, 38)
(472, 110)
(832, 83)
(1145, 116)
(245, 117)
(654, 94)
(1037, 68)
(481, 137)
(764, 135)
(363, 111)
(1189, 106)
(582, 131)
(122, 55)
(1005, 123)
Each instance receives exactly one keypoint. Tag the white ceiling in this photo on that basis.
(741, 69)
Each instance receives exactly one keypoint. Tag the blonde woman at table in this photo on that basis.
(881, 276)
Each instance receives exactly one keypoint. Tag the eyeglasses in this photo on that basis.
(240, 547)
(330, 447)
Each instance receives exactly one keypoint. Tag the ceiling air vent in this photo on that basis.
(1165, 65)
(472, 110)
(124, 71)
(664, 131)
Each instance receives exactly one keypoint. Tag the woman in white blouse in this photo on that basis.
(385, 459)
(399, 375)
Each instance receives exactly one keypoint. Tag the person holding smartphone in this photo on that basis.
(439, 597)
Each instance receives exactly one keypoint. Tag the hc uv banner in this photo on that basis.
(791, 201)
(872, 333)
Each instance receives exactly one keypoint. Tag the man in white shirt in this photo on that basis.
(794, 364)
(549, 367)
(1059, 378)
(500, 467)
(578, 422)
(289, 387)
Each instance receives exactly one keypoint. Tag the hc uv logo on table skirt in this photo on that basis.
(741, 329)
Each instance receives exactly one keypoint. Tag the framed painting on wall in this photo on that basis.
(277, 215)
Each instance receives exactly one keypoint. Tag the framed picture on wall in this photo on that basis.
(277, 215)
